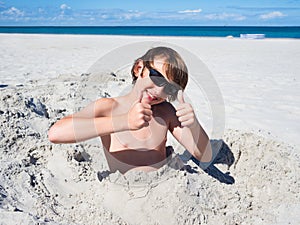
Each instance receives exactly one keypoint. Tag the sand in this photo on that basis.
(253, 180)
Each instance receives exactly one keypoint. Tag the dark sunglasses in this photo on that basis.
(160, 81)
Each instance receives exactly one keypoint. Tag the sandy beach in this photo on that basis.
(245, 93)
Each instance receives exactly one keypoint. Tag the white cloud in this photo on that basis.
(115, 15)
(224, 16)
(191, 11)
(40, 10)
(64, 7)
(13, 11)
(131, 14)
(271, 15)
(240, 18)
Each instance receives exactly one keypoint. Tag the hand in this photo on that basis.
(185, 112)
(140, 114)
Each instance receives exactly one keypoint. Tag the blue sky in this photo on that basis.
(150, 13)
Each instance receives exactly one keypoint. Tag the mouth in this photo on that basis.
(151, 97)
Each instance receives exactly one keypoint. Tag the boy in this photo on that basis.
(133, 128)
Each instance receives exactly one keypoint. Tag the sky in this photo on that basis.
(149, 13)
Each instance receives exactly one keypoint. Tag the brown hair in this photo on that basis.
(176, 70)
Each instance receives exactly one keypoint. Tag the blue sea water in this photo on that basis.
(196, 31)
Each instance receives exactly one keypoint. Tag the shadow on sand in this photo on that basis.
(222, 154)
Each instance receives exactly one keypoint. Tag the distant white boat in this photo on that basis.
(252, 36)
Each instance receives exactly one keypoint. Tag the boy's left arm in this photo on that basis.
(190, 133)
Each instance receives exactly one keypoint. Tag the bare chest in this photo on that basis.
(147, 138)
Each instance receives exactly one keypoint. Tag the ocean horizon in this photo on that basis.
(189, 31)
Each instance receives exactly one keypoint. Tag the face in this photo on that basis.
(161, 88)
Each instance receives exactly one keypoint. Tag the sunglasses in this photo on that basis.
(160, 81)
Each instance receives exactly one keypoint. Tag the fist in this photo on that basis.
(184, 111)
(140, 114)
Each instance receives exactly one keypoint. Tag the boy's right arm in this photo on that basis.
(96, 120)
(90, 122)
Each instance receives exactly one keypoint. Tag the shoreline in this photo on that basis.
(228, 37)
(167, 31)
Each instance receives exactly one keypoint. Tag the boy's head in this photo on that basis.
(174, 67)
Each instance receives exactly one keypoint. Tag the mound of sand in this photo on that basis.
(254, 180)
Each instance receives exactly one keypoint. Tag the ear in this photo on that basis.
(138, 67)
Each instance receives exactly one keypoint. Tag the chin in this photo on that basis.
(156, 102)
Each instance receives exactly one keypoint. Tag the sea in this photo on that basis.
(191, 31)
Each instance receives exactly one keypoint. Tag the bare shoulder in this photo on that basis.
(105, 101)
(98, 108)
(104, 106)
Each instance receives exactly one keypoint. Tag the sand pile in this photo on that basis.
(254, 180)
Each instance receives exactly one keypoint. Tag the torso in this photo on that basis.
(144, 148)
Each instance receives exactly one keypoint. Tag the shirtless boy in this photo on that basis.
(133, 128)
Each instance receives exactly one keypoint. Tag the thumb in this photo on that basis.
(143, 99)
(180, 97)
(140, 95)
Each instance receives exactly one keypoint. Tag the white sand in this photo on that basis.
(41, 182)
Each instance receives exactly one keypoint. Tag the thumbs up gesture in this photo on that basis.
(140, 114)
(184, 111)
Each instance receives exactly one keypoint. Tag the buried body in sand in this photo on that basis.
(133, 128)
